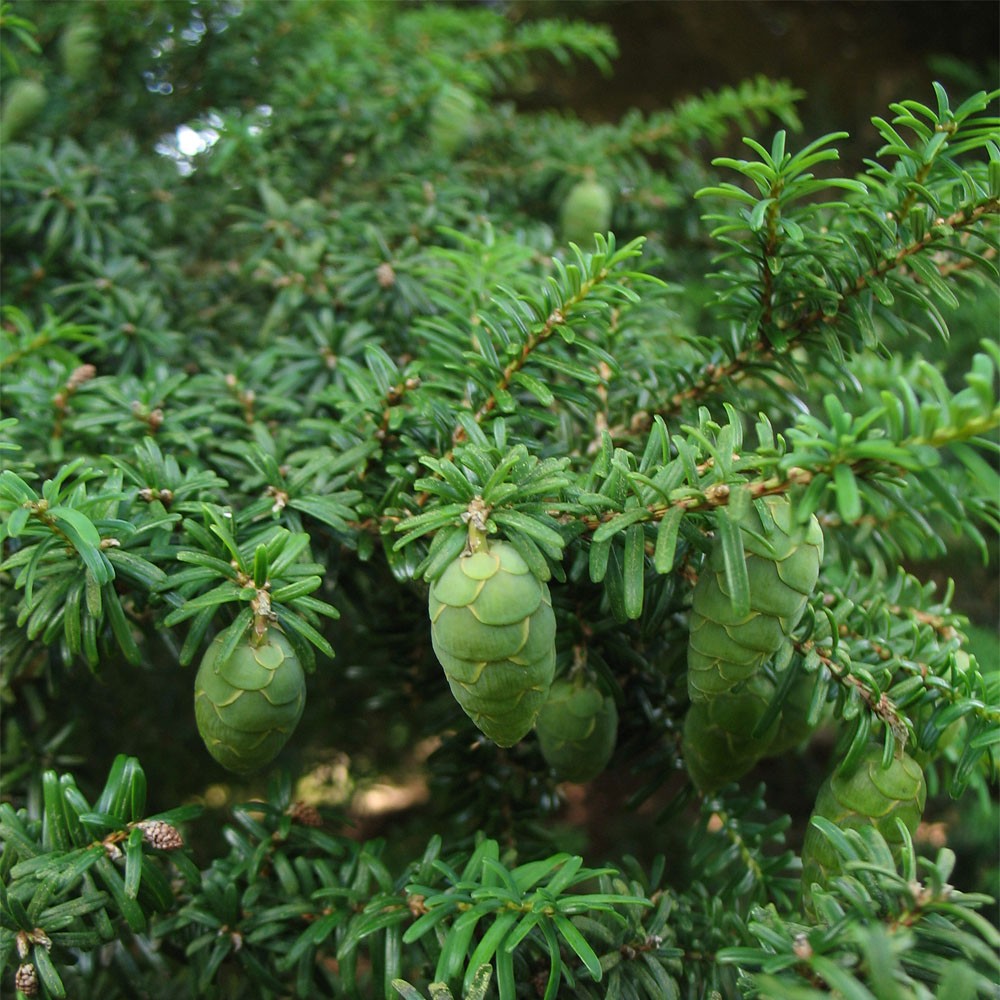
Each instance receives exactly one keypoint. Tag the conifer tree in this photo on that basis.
(352, 414)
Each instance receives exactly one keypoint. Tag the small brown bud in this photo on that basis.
(26, 980)
(717, 493)
(385, 274)
(161, 835)
(280, 498)
(80, 375)
(307, 815)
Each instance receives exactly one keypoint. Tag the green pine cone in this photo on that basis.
(867, 796)
(577, 728)
(724, 649)
(23, 103)
(80, 49)
(248, 706)
(452, 119)
(586, 210)
(493, 632)
(793, 725)
(717, 742)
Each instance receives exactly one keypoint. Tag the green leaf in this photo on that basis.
(406, 991)
(555, 959)
(325, 510)
(136, 568)
(427, 921)
(565, 876)
(548, 538)
(128, 907)
(56, 824)
(16, 522)
(133, 863)
(454, 950)
(666, 540)
(848, 497)
(15, 487)
(734, 560)
(287, 593)
(535, 386)
(759, 213)
(633, 570)
(490, 942)
(260, 566)
(47, 974)
(84, 537)
(135, 785)
(382, 367)
(232, 636)
(840, 979)
(228, 591)
(315, 934)
(120, 626)
(620, 523)
(295, 623)
(579, 944)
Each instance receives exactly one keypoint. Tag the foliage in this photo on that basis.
(279, 385)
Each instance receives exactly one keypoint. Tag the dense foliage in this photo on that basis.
(329, 375)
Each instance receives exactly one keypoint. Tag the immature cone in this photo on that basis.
(577, 728)
(793, 722)
(80, 49)
(161, 835)
(718, 743)
(586, 210)
(23, 103)
(493, 631)
(247, 706)
(725, 649)
(453, 118)
(867, 796)
(26, 979)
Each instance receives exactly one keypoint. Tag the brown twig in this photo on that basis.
(759, 351)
